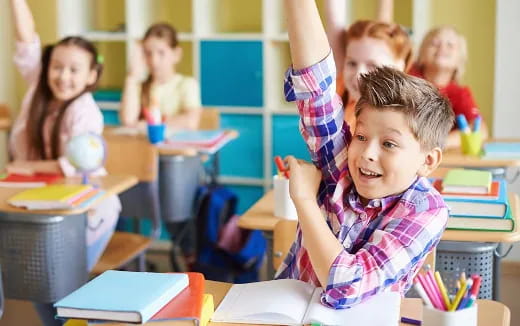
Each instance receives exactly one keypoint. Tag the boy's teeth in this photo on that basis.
(368, 172)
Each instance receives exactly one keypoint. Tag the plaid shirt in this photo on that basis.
(384, 242)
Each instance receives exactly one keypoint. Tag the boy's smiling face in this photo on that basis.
(384, 156)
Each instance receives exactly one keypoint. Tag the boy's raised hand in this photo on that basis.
(304, 180)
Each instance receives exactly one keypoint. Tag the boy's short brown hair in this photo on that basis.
(429, 114)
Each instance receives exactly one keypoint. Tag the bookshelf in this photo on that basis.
(238, 50)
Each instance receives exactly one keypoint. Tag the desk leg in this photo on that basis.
(270, 268)
(497, 272)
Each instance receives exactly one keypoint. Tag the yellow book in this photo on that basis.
(56, 196)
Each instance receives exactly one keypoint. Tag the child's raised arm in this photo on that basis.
(23, 21)
(336, 24)
(307, 38)
(131, 99)
(385, 11)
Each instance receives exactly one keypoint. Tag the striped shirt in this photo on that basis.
(386, 241)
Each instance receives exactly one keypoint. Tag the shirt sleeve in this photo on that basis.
(321, 116)
(27, 58)
(190, 95)
(390, 255)
(463, 102)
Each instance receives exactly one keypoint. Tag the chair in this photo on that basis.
(132, 155)
(209, 119)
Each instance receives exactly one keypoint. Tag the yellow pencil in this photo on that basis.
(460, 294)
(442, 289)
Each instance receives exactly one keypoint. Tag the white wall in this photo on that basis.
(507, 74)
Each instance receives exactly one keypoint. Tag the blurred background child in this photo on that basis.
(177, 96)
(441, 61)
(363, 46)
(57, 106)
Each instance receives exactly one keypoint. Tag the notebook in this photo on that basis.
(502, 150)
(467, 181)
(493, 192)
(28, 181)
(197, 137)
(122, 296)
(294, 302)
(56, 196)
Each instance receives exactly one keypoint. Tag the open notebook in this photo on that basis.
(293, 302)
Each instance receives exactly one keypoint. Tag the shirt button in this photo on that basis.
(377, 203)
(363, 215)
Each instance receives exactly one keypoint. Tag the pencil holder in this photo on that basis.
(283, 204)
(471, 143)
(435, 317)
(156, 133)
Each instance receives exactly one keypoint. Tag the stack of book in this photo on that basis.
(475, 201)
(36, 180)
(152, 299)
(56, 196)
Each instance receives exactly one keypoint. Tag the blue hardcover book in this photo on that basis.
(122, 296)
(490, 208)
(502, 150)
(196, 136)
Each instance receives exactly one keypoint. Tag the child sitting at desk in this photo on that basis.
(441, 60)
(382, 216)
(58, 106)
(177, 96)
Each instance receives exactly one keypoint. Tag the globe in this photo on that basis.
(86, 152)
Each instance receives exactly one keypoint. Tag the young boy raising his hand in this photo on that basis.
(382, 216)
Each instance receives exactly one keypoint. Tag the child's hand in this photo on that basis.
(304, 180)
(20, 167)
(137, 68)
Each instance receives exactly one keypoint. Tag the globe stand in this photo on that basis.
(84, 178)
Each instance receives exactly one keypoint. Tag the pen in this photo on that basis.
(410, 321)
(463, 288)
(476, 123)
(474, 290)
(462, 123)
(442, 289)
(422, 293)
(436, 291)
(281, 166)
(429, 291)
(464, 301)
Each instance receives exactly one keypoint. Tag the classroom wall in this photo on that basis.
(476, 21)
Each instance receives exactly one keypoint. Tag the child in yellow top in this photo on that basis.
(176, 95)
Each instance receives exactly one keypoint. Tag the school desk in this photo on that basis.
(43, 253)
(261, 217)
(490, 313)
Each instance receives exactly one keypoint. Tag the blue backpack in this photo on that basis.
(225, 252)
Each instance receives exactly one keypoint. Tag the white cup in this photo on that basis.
(283, 204)
(436, 317)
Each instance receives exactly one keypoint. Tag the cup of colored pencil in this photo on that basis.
(441, 309)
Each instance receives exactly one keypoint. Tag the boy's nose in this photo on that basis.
(369, 153)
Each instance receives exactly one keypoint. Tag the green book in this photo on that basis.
(465, 181)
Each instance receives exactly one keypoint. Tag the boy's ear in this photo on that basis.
(178, 53)
(431, 162)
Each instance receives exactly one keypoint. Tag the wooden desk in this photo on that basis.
(43, 252)
(260, 217)
(490, 313)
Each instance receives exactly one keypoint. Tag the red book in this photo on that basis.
(492, 195)
(29, 181)
(187, 304)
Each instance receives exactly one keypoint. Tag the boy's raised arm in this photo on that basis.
(307, 38)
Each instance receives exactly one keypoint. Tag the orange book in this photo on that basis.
(493, 193)
(187, 304)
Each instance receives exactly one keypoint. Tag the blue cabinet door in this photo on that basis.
(243, 157)
(231, 73)
(287, 139)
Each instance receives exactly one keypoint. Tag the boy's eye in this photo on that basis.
(351, 64)
(388, 144)
(361, 137)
